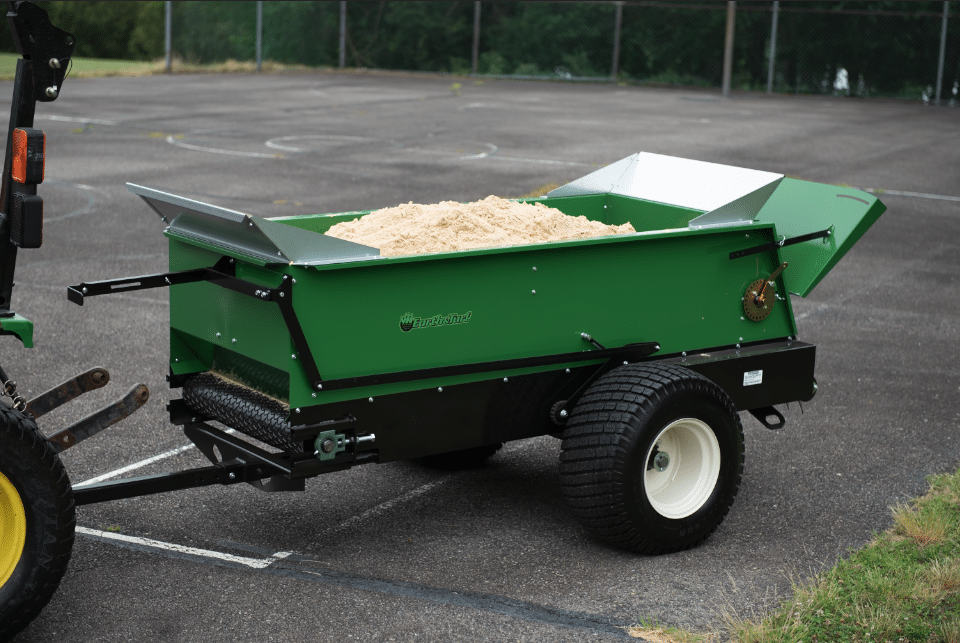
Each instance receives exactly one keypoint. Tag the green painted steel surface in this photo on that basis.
(668, 283)
(801, 207)
(677, 287)
(19, 326)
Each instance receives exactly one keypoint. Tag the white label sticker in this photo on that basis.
(752, 377)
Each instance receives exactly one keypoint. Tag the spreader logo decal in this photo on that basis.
(409, 322)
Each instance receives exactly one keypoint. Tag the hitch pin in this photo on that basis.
(769, 282)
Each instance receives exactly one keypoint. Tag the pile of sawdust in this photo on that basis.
(412, 228)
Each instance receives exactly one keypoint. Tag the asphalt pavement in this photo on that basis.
(401, 552)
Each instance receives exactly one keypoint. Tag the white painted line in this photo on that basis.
(389, 504)
(139, 465)
(482, 155)
(134, 466)
(71, 119)
(922, 195)
(276, 143)
(255, 563)
(214, 150)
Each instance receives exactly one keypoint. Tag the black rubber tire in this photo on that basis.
(605, 450)
(28, 461)
(460, 460)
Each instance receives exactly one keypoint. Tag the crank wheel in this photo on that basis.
(36, 521)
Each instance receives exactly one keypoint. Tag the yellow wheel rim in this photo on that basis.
(13, 529)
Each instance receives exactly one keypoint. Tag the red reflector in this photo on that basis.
(29, 149)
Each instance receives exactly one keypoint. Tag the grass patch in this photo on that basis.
(654, 632)
(903, 587)
(98, 68)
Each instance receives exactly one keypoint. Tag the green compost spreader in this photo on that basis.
(637, 350)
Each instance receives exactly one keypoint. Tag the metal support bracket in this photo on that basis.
(765, 413)
(562, 410)
(823, 234)
(97, 422)
(261, 464)
(222, 274)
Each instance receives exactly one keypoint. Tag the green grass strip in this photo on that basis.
(903, 587)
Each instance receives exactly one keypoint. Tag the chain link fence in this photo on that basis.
(863, 49)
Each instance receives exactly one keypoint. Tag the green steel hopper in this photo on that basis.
(638, 350)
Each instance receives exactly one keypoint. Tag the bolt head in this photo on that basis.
(294, 280)
(533, 292)
(568, 370)
(232, 476)
(51, 92)
(439, 389)
(313, 395)
(369, 399)
(281, 293)
(294, 356)
(506, 379)
(661, 461)
(738, 345)
(563, 413)
(296, 410)
(218, 334)
(684, 353)
(534, 268)
(84, 291)
(234, 340)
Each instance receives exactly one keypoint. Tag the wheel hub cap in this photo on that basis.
(13, 529)
(661, 461)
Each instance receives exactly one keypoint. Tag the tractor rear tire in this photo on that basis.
(652, 458)
(37, 521)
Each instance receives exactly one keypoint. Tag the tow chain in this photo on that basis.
(10, 388)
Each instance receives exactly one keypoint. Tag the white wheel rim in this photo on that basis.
(680, 482)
